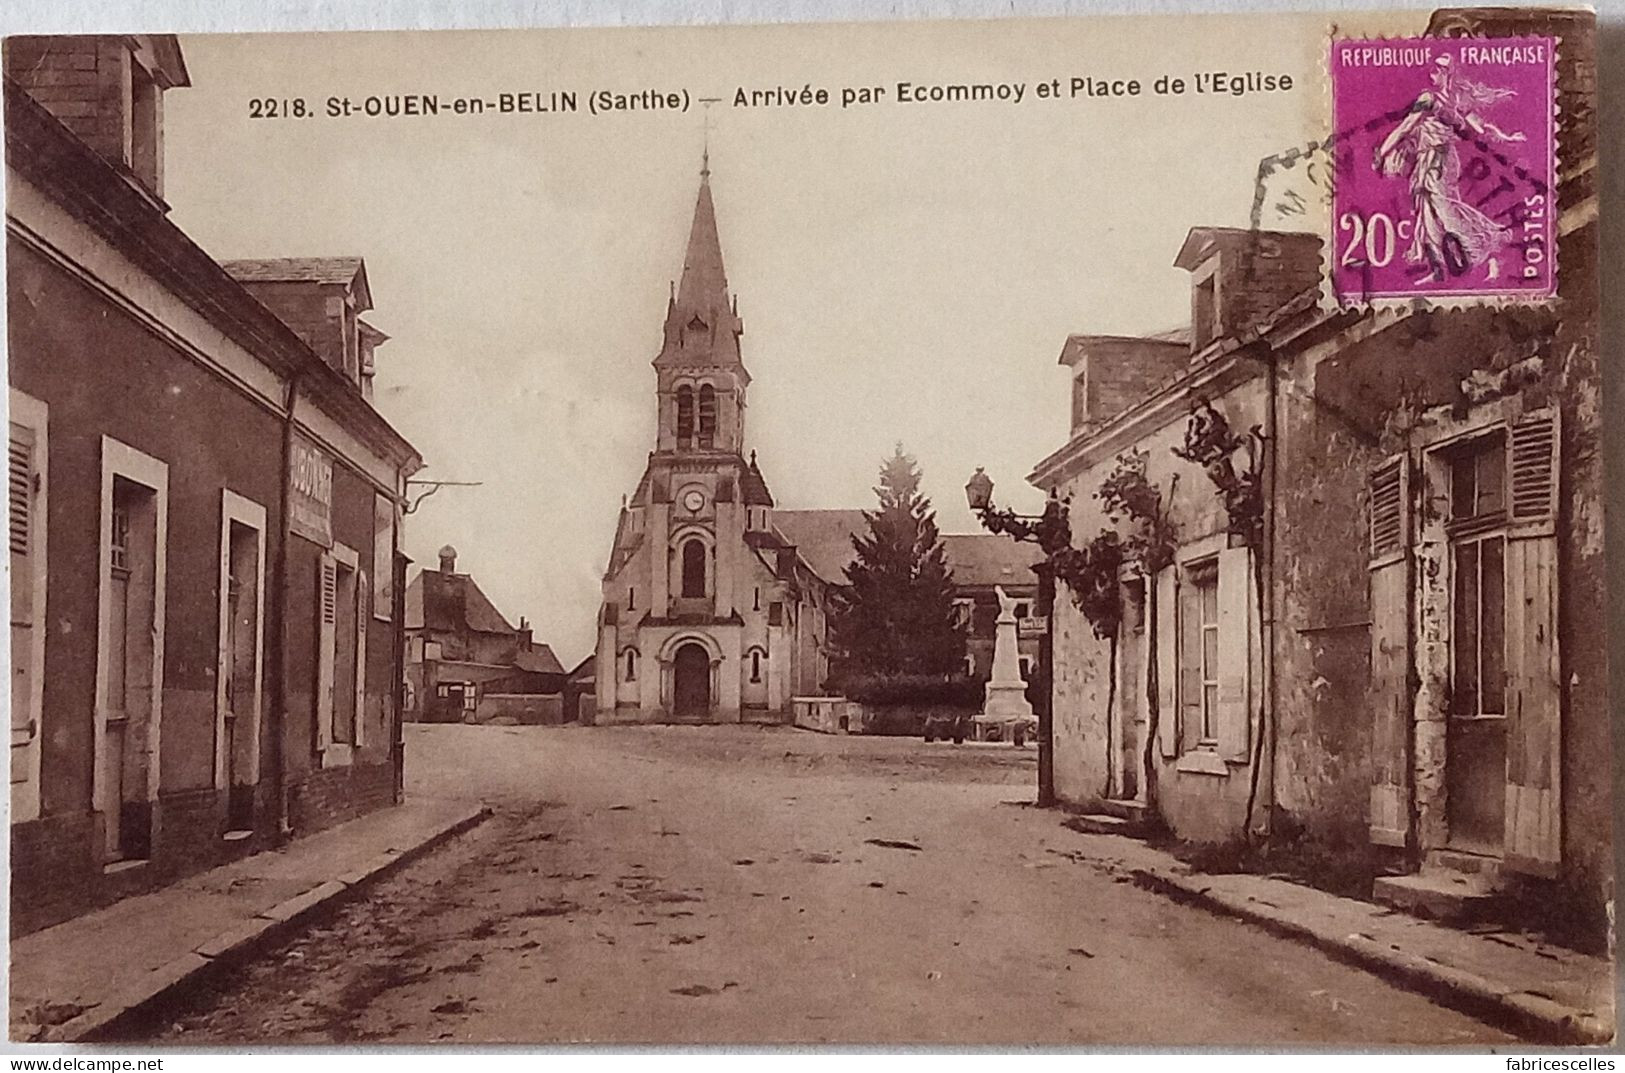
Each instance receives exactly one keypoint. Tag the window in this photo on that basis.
(1021, 610)
(1478, 570)
(631, 674)
(341, 665)
(1199, 651)
(145, 154)
(631, 599)
(1026, 668)
(1205, 310)
(1080, 398)
(708, 416)
(685, 416)
(756, 599)
(970, 666)
(756, 665)
(693, 569)
(964, 609)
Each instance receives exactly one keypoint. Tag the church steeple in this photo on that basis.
(702, 319)
(701, 377)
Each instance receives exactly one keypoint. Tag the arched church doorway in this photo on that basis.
(691, 672)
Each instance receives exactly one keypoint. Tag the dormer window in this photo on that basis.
(1205, 310)
(146, 154)
(696, 325)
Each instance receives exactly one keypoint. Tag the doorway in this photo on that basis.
(691, 674)
(1129, 733)
(1475, 757)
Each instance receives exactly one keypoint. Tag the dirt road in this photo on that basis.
(691, 885)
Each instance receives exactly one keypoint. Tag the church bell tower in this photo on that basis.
(700, 377)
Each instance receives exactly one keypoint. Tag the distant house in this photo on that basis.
(466, 663)
(581, 691)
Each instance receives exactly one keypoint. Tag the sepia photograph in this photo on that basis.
(1064, 532)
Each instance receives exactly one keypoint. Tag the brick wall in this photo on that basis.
(330, 796)
(1122, 373)
(52, 871)
(1260, 272)
(83, 81)
(305, 307)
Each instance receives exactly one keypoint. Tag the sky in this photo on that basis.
(906, 272)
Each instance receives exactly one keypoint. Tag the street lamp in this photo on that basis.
(1052, 532)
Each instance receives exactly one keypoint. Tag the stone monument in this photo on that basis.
(1006, 700)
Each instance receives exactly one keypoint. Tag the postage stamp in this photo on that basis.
(1445, 161)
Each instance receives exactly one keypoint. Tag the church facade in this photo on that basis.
(715, 604)
(709, 613)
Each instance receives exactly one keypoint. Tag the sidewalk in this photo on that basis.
(1548, 994)
(76, 980)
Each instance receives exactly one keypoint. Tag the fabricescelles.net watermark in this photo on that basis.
(1565, 1065)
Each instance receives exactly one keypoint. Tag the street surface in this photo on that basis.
(748, 885)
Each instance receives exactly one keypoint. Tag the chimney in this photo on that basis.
(448, 560)
(525, 640)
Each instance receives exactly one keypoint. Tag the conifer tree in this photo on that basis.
(896, 613)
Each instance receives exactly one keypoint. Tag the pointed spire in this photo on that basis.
(702, 317)
(703, 291)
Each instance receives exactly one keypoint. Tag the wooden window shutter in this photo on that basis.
(327, 584)
(1167, 636)
(1235, 652)
(1534, 835)
(1532, 463)
(361, 616)
(1389, 696)
(20, 487)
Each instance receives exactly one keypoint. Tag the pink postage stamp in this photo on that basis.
(1446, 159)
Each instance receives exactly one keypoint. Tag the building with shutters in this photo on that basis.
(203, 510)
(1423, 684)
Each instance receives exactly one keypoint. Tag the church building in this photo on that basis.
(715, 604)
(709, 613)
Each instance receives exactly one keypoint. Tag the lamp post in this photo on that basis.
(1052, 532)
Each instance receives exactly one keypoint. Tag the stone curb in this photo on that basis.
(238, 944)
(1536, 1018)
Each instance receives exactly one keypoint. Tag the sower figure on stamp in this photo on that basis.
(1447, 232)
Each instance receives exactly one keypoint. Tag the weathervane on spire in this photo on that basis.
(705, 154)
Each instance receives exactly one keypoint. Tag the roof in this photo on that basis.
(1198, 239)
(984, 559)
(538, 658)
(1076, 344)
(48, 155)
(702, 326)
(824, 539)
(753, 486)
(586, 670)
(452, 602)
(342, 270)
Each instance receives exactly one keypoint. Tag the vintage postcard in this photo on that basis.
(1067, 532)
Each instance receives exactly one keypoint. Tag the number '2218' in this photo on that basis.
(277, 108)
